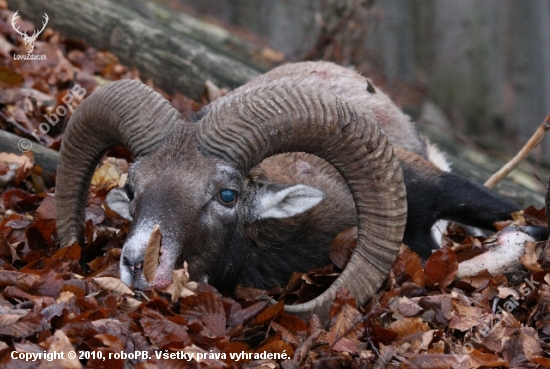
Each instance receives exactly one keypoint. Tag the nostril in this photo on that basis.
(133, 264)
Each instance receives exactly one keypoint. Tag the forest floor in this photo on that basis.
(71, 300)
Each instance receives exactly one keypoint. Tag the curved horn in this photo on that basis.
(126, 113)
(266, 122)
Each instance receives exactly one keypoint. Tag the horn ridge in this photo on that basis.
(269, 121)
(124, 112)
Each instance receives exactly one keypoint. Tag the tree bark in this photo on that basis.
(141, 35)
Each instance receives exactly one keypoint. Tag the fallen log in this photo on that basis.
(160, 50)
(46, 158)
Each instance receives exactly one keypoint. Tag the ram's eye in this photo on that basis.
(227, 197)
(129, 191)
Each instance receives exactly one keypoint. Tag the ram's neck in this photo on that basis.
(277, 248)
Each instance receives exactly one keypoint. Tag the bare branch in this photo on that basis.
(533, 142)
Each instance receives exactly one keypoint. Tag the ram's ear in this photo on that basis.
(118, 201)
(285, 201)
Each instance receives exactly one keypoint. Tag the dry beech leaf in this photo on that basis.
(342, 247)
(419, 340)
(107, 175)
(10, 78)
(8, 249)
(46, 210)
(129, 304)
(68, 253)
(408, 263)
(504, 292)
(20, 160)
(212, 312)
(441, 268)
(112, 284)
(269, 313)
(64, 296)
(531, 258)
(340, 343)
(59, 342)
(406, 326)
(408, 307)
(21, 280)
(436, 361)
(347, 322)
(286, 335)
(152, 254)
(343, 297)
(181, 286)
(276, 346)
(490, 360)
(161, 331)
(19, 326)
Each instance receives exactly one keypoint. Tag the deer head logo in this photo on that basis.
(29, 40)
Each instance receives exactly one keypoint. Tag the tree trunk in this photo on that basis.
(144, 36)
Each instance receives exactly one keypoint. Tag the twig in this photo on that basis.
(533, 142)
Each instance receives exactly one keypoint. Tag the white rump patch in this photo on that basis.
(437, 157)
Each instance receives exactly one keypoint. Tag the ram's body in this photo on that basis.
(433, 194)
(239, 219)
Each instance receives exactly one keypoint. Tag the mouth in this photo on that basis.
(134, 276)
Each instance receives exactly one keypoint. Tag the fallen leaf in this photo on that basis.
(268, 314)
(408, 263)
(531, 258)
(20, 326)
(8, 249)
(106, 176)
(46, 210)
(286, 335)
(275, 346)
(407, 326)
(163, 332)
(10, 78)
(181, 286)
(59, 343)
(68, 253)
(112, 284)
(129, 304)
(340, 343)
(152, 254)
(441, 268)
(212, 313)
(419, 341)
(342, 247)
(407, 307)
(347, 322)
(481, 359)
